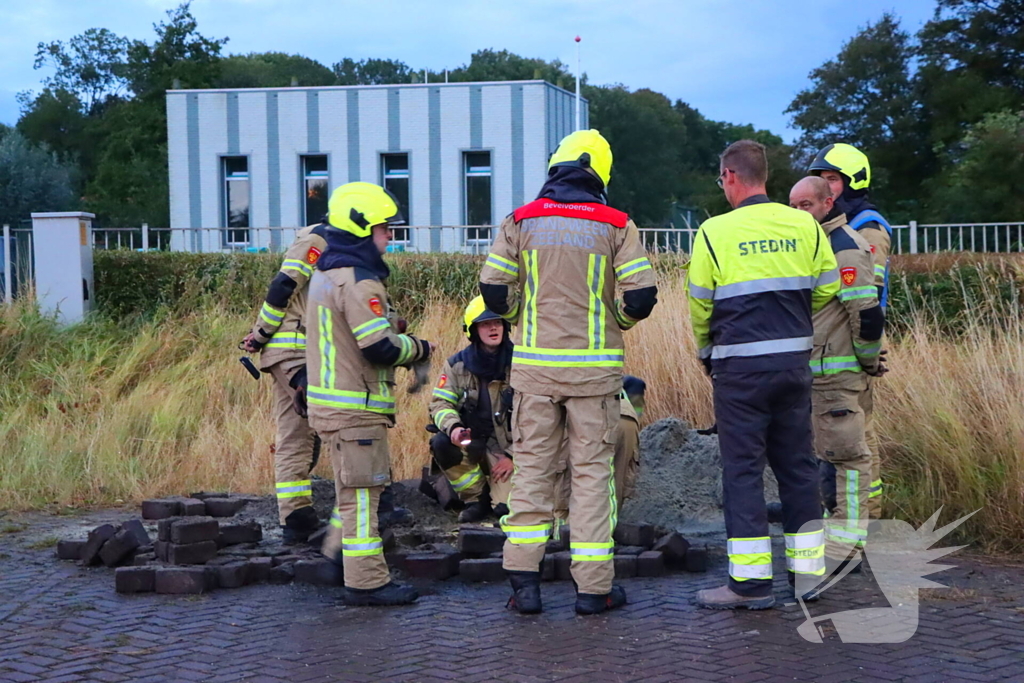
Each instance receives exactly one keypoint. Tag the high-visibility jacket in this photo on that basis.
(848, 329)
(280, 327)
(878, 233)
(756, 275)
(353, 349)
(554, 268)
(455, 402)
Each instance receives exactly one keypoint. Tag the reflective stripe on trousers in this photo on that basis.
(362, 544)
(468, 479)
(294, 489)
(591, 552)
(527, 534)
(805, 552)
(750, 558)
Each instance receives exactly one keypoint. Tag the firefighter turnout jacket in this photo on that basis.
(755, 276)
(352, 371)
(280, 328)
(553, 266)
(877, 232)
(848, 329)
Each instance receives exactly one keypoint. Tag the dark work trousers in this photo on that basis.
(766, 417)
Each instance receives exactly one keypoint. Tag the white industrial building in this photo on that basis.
(458, 154)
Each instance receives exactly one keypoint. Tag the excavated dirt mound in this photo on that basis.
(680, 481)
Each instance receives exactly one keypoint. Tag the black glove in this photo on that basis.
(299, 379)
(299, 403)
(881, 368)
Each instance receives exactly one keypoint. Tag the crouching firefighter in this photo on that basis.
(352, 352)
(279, 336)
(472, 407)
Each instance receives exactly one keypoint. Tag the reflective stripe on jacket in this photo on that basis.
(840, 354)
(280, 327)
(756, 275)
(347, 313)
(561, 264)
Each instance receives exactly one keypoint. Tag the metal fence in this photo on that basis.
(912, 238)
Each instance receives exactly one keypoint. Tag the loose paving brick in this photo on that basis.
(233, 575)
(625, 566)
(629, 550)
(180, 580)
(193, 507)
(319, 572)
(696, 559)
(138, 531)
(259, 569)
(224, 507)
(563, 565)
(93, 545)
(674, 547)
(433, 566)
(487, 569)
(160, 508)
(281, 574)
(235, 533)
(478, 541)
(118, 548)
(650, 563)
(627, 533)
(135, 579)
(191, 553)
(194, 530)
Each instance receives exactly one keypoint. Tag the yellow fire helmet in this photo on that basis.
(585, 149)
(357, 207)
(845, 159)
(477, 312)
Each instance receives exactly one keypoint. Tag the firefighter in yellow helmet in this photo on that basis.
(279, 335)
(472, 407)
(848, 173)
(352, 351)
(555, 267)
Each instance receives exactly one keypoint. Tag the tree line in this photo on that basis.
(939, 113)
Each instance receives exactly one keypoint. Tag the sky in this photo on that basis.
(741, 62)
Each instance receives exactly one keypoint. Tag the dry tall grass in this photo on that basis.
(97, 413)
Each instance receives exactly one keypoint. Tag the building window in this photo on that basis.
(478, 194)
(314, 185)
(236, 199)
(394, 170)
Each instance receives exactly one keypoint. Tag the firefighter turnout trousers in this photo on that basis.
(293, 449)
(839, 438)
(625, 464)
(538, 425)
(469, 470)
(358, 455)
(766, 417)
(867, 405)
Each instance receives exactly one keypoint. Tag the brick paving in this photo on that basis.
(60, 622)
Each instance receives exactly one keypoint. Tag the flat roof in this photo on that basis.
(303, 88)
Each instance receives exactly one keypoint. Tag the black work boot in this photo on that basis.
(587, 603)
(500, 510)
(525, 592)
(299, 525)
(388, 595)
(476, 511)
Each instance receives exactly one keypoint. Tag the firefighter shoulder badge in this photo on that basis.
(441, 382)
(849, 275)
(376, 307)
(312, 255)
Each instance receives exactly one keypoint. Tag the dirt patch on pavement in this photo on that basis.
(679, 485)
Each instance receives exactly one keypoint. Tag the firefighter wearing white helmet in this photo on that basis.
(555, 268)
(471, 406)
(848, 173)
(353, 348)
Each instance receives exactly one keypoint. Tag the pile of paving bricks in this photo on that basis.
(197, 549)
(641, 550)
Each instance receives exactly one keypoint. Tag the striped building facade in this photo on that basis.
(457, 154)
